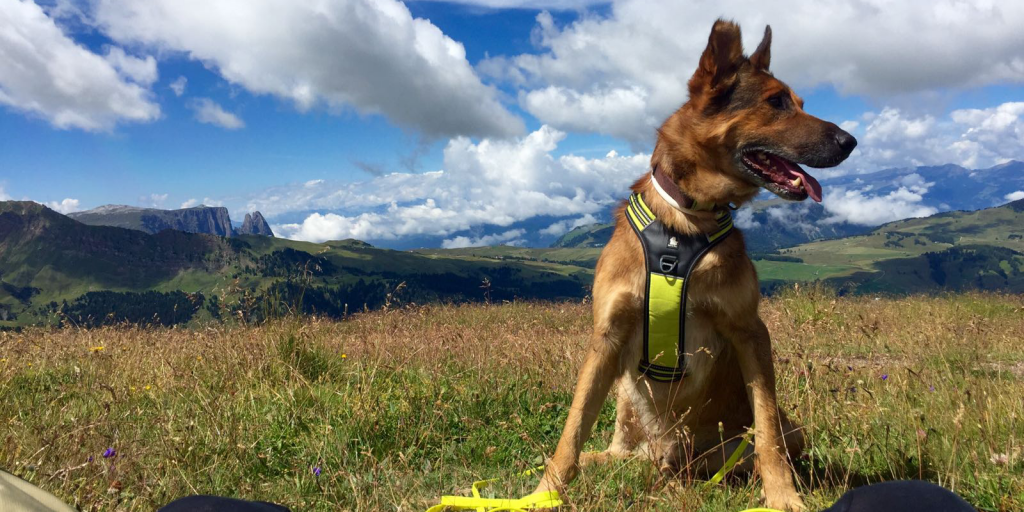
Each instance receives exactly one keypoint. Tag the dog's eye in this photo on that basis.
(778, 101)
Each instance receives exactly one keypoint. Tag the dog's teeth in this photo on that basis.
(798, 181)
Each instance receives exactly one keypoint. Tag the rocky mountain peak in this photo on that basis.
(255, 224)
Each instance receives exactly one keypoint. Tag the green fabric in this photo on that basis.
(664, 298)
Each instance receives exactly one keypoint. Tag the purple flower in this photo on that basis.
(316, 471)
(931, 388)
(109, 453)
(885, 376)
(90, 458)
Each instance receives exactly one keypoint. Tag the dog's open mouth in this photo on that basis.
(782, 177)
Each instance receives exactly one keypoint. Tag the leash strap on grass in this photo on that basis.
(551, 499)
(731, 463)
(538, 500)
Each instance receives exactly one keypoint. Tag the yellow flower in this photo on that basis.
(96, 349)
(147, 387)
(344, 356)
(132, 388)
(199, 358)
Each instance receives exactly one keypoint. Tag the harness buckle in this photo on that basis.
(668, 263)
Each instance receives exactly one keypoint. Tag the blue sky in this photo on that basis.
(335, 126)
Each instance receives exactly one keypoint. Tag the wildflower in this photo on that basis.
(90, 458)
(344, 356)
(132, 388)
(316, 471)
(199, 358)
(147, 388)
(931, 388)
(96, 349)
(885, 376)
(109, 453)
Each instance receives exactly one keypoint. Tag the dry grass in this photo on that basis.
(401, 406)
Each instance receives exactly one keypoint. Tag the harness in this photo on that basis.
(669, 258)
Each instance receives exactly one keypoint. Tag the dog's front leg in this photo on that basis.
(752, 342)
(614, 321)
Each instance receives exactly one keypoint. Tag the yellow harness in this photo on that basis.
(669, 257)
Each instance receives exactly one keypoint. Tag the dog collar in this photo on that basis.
(671, 193)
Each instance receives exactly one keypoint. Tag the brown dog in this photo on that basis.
(741, 129)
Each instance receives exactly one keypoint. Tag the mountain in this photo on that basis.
(213, 220)
(56, 269)
(254, 224)
(956, 250)
(949, 187)
(767, 226)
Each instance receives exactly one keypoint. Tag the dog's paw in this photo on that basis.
(787, 500)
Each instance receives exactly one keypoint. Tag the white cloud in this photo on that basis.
(650, 49)
(510, 237)
(209, 112)
(44, 73)
(744, 218)
(205, 202)
(66, 206)
(1012, 196)
(142, 71)
(178, 85)
(153, 200)
(371, 55)
(492, 182)
(527, 4)
(617, 112)
(972, 138)
(3, 195)
(564, 226)
(859, 207)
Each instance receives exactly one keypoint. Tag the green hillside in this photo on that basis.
(53, 268)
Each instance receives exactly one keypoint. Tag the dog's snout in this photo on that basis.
(846, 142)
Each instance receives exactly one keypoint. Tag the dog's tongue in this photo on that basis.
(811, 185)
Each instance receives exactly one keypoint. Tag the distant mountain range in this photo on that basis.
(212, 220)
(774, 223)
(54, 269)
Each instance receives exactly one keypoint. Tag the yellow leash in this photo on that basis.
(551, 499)
(538, 500)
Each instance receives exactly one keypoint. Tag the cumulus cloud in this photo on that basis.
(865, 209)
(44, 73)
(209, 112)
(142, 71)
(510, 237)
(564, 226)
(1012, 196)
(205, 202)
(528, 4)
(371, 55)
(66, 206)
(972, 138)
(646, 51)
(153, 200)
(490, 182)
(178, 85)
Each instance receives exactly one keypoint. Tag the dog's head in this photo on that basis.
(743, 129)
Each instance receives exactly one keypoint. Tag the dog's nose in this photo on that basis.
(845, 141)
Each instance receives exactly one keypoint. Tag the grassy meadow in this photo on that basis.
(391, 409)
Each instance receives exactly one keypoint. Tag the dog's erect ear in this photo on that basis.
(723, 56)
(762, 56)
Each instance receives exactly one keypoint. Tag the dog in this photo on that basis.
(741, 130)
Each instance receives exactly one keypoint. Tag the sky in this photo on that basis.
(461, 121)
